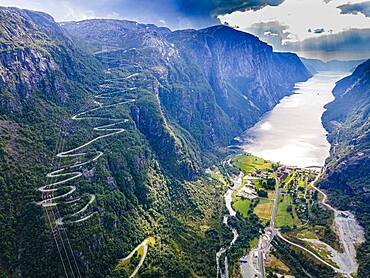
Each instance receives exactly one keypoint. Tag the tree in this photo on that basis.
(289, 208)
(262, 193)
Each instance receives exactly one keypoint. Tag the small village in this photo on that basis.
(258, 187)
(285, 202)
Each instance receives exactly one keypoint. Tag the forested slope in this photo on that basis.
(214, 83)
(348, 170)
(149, 180)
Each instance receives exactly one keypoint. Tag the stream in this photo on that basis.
(236, 183)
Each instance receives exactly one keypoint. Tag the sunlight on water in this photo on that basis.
(292, 132)
(265, 126)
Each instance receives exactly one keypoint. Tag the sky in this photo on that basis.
(176, 14)
(303, 25)
(326, 29)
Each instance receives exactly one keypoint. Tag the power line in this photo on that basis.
(49, 202)
(62, 228)
(47, 213)
(56, 242)
(51, 217)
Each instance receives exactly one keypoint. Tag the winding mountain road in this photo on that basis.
(349, 232)
(346, 262)
(308, 251)
(144, 245)
(59, 191)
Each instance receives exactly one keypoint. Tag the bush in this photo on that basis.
(262, 193)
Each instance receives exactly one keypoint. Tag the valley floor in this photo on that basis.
(293, 213)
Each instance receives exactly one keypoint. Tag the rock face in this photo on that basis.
(348, 171)
(214, 82)
(36, 55)
(315, 65)
(193, 90)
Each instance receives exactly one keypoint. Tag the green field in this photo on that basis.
(242, 206)
(258, 183)
(216, 174)
(249, 163)
(283, 217)
(301, 183)
(264, 208)
(306, 233)
(289, 177)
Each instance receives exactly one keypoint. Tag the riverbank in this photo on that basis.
(291, 196)
(292, 133)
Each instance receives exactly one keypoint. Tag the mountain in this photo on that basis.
(315, 65)
(348, 167)
(116, 121)
(223, 80)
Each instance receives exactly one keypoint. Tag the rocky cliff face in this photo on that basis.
(347, 177)
(193, 91)
(214, 83)
(245, 76)
(36, 55)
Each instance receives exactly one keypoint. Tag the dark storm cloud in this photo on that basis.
(358, 8)
(173, 13)
(346, 41)
(217, 7)
(319, 31)
(346, 45)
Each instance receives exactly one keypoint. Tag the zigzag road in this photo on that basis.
(69, 173)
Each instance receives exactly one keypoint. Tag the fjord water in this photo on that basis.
(292, 133)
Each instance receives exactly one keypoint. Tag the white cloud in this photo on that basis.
(60, 10)
(300, 16)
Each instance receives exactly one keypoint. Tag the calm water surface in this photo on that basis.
(292, 132)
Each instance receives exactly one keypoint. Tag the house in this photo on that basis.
(247, 192)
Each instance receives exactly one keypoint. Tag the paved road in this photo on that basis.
(269, 232)
(308, 251)
(51, 192)
(350, 265)
(303, 248)
(261, 263)
(256, 267)
(276, 199)
(144, 244)
(349, 231)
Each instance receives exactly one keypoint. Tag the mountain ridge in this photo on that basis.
(193, 57)
(347, 176)
(315, 65)
(149, 182)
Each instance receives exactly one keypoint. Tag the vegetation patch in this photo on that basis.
(276, 265)
(285, 213)
(250, 164)
(306, 233)
(242, 206)
(264, 209)
(215, 173)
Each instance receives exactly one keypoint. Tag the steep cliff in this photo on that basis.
(214, 82)
(348, 168)
(35, 55)
(160, 106)
(45, 79)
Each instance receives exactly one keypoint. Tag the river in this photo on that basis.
(292, 132)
